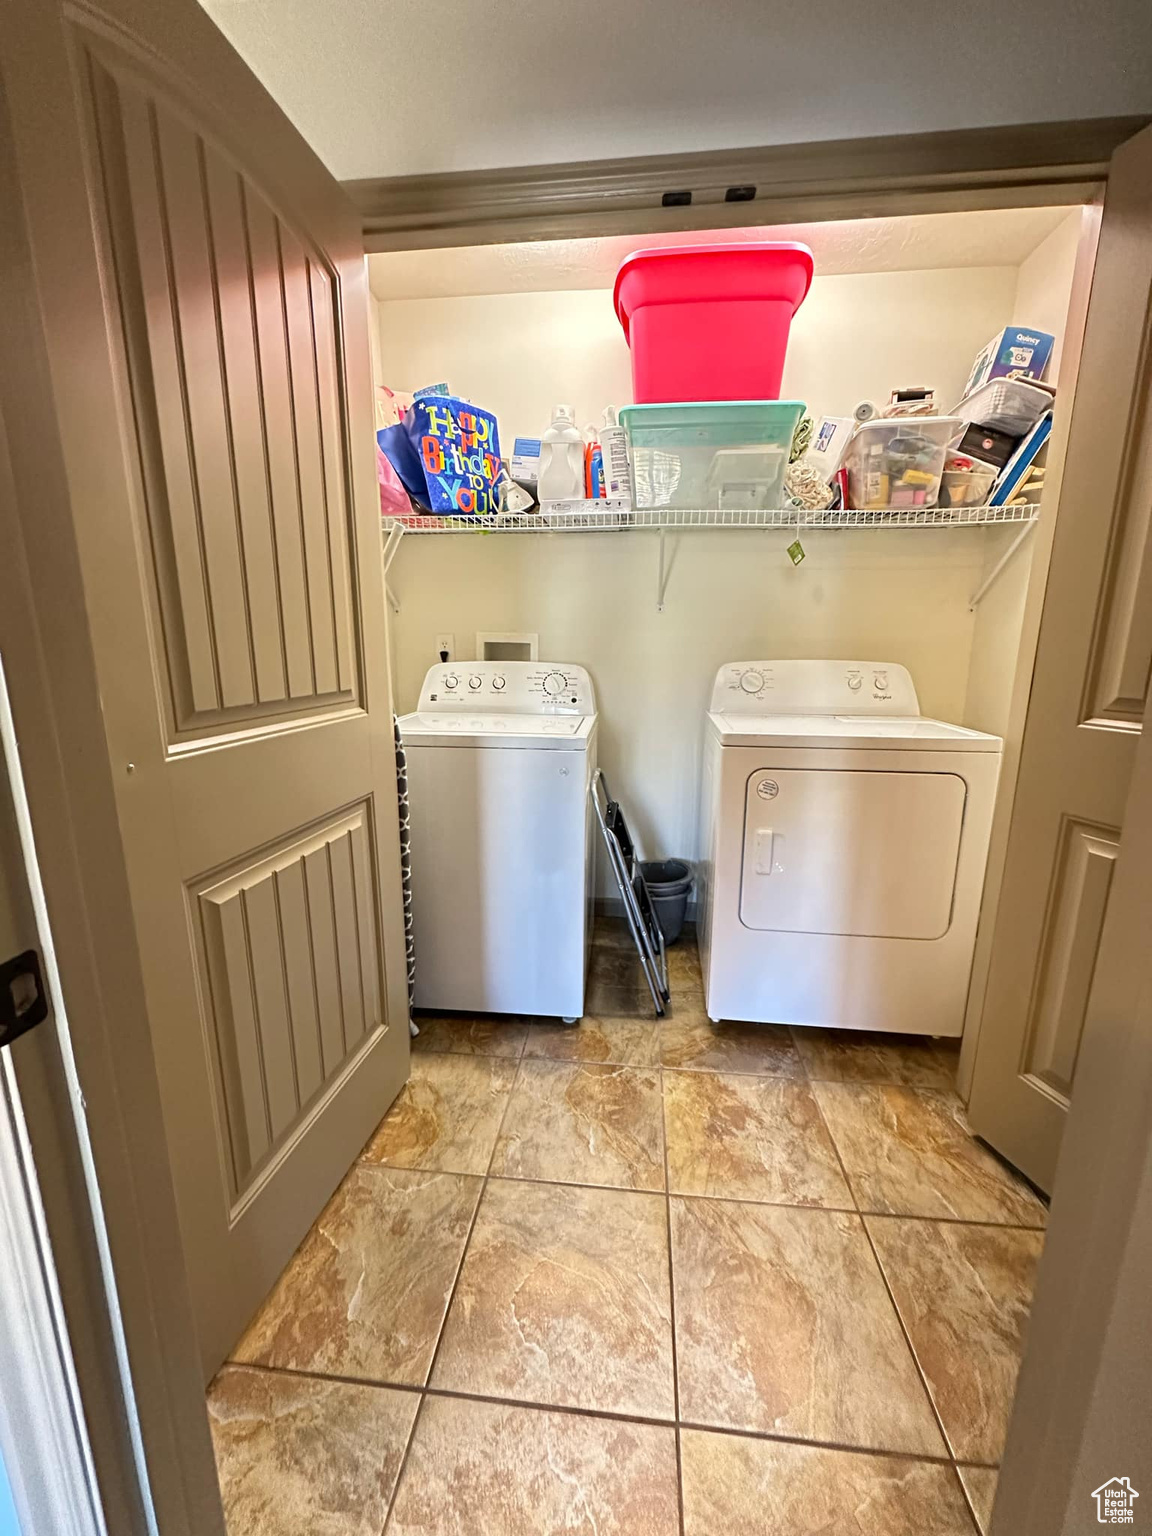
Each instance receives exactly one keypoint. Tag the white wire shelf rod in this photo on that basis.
(679, 518)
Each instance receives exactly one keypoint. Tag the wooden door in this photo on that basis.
(1089, 691)
(200, 284)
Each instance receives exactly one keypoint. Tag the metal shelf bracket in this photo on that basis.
(662, 573)
(391, 548)
(999, 568)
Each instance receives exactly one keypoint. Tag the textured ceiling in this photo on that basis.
(389, 87)
(994, 239)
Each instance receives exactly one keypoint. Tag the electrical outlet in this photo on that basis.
(445, 647)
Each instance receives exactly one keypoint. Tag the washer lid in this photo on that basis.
(566, 733)
(909, 733)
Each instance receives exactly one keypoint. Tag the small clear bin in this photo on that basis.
(967, 487)
(728, 455)
(897, 461)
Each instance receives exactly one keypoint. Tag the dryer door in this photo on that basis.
(848, 851)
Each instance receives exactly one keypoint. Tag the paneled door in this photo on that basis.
(201, 290)
(1088, 699)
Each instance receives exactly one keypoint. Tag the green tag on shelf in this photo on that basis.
(796, 552)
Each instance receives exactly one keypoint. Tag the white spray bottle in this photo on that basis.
(614, 447)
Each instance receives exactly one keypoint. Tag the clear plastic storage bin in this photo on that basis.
(723, 455)
(1008, 405)
(898, 461)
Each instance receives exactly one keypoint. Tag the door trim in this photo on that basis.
(44, 1442)
(1020, 165)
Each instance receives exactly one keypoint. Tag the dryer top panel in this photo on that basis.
(814, 688)
(910, 733)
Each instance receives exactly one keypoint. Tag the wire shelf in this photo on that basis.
(590, 517)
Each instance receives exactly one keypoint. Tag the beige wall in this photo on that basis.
(855, 337)
(374, 339)
(885, 595)
(1044, 281)
(893, 596)
(1043, 286)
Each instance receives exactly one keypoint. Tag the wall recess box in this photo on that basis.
(498, 645)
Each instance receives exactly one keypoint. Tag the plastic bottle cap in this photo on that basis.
(562, 410)
(609, 415)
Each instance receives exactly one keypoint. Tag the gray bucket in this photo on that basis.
(669, 883)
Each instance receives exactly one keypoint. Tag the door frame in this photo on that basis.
(1017, 165)
(46, 1453)
(48, 654)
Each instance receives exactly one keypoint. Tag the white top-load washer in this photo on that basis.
(844, 843)
(500, 759)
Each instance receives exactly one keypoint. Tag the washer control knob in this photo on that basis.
(451, 682)
(856, 682)
(499, 684)
(475, 682)
(880, 682)
(555, 683)
(752, 682)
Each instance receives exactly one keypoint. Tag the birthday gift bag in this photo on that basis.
(447, 453)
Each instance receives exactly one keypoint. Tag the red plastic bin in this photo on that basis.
(710, 322)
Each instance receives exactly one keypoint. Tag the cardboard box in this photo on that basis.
(1017, 350)
(986, 444)
(829, 444)
(524, 465)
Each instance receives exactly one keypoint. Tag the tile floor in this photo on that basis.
(643, 1278)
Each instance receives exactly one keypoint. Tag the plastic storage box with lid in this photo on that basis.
(710, 322)
(897, 461)
(1006, 405)
(711, 454)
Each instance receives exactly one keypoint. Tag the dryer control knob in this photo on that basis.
(751, 682)
(555, 683)
(451, 682)
(855, 683)
(475, 682)
(499, 684)
(880, 682)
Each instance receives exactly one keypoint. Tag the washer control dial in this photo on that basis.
(451, 682)
(475, 682)
(752, 682)
(499, 684)
(555, 683)
(880, 682)
(856, 682)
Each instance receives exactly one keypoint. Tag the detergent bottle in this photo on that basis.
(561, 475)
(593, 465)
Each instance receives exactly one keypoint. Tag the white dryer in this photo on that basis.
(500, 759)
(844, 839)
